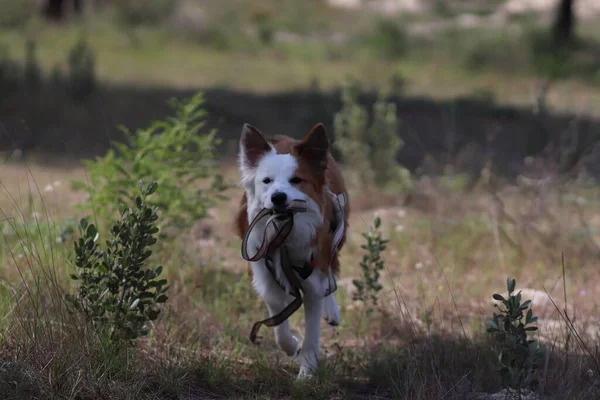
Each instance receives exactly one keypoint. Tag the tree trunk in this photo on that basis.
(564, 24)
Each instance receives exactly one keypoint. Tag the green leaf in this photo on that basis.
(510, 285)
(525, 305)
(134, 304)
(498, 297)
(162, 298)
(152, 186)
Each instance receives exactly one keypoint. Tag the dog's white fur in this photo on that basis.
(280, 168)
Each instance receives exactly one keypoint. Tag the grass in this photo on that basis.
(442, 265)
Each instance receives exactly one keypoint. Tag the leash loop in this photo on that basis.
(272, 241)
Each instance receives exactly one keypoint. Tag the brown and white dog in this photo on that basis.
(273, 173)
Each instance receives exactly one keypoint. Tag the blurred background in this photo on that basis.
(475, 82)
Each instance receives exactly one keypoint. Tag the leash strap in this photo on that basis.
(339, 202)
(278, 234)
(296, 286)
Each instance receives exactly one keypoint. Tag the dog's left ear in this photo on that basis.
(253, 146)
(314, 147)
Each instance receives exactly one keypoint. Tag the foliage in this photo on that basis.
(517, 355)
(173, 153)
(368, 287)
(16, 13)
(144, 12)
(389, 39)
(548, 59)
(371, 143)
(10, 72)
(82, 73)
(118, 293)
(265, 25)
(33, 71)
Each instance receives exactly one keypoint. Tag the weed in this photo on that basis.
(118, 293)
(33, 72)
(368, 287)
(173, 153)
(135, 12)
(10, 72)
(389, 39)
(263, 19)
(16, 14)
(373, 142)
(82, 73)
(517, 355)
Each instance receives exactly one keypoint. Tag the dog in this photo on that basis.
(274, 173)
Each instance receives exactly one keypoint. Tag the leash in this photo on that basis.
(273, 238)
(271, 241)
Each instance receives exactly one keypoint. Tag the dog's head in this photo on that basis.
(281, 170)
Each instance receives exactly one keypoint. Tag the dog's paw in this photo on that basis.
(305, 374)
(331, 312)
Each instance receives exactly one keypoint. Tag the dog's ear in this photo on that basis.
(253, 146)
(315, 147)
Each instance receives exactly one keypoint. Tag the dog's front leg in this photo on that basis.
(283, 335)
(309, 354)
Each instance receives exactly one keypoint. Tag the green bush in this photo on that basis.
(82, 71)
(173, 153)
(389, 39)
(144, 12)
(16, 13)
(117, 291)
(368, 287)
(549, 59)
(263, 19)
(517, 355)
(33, 71)
(370, 143)
(10, 72)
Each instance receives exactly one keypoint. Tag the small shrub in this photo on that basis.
(174, 153)
(368, 287)
(548, 59)
(517, 355)
(16, 13)
(10, 72)
(389, 39)
(265, 24)
(370, 143)
(144, 12)
(33, 72)
(117, 292)
(82, 72)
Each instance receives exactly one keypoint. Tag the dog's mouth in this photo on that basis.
(281, 209)
(292, 207)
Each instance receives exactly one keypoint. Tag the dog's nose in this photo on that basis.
(279, 199)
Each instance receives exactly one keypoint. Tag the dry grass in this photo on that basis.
(449, 251)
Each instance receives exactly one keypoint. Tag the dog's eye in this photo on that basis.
(295, 180)
(266, 181)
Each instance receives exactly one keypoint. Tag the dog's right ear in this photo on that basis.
(253, 146)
